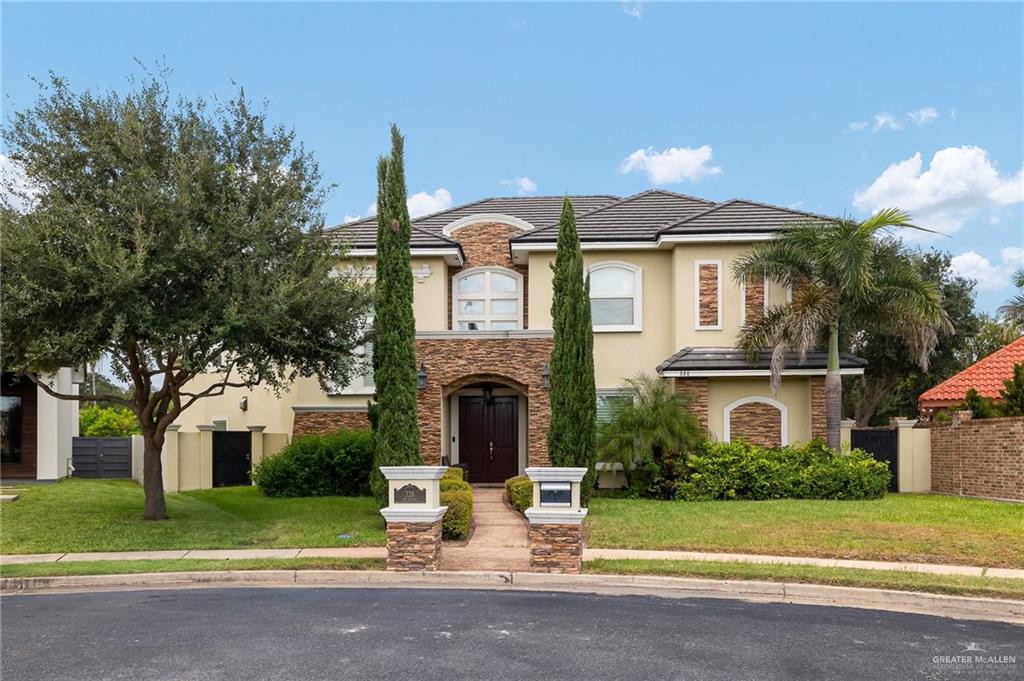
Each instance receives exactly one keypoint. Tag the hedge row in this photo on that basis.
(332, 464)
(457, 495)
(520, 492)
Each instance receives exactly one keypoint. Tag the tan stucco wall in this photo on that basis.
(618, 355)
(430, 296)
(795, 394)
(684, 332)
(264, 408)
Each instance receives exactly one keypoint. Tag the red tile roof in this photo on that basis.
(986, 376)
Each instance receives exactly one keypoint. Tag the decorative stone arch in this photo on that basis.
(486, 218)
(472, 379)
(756, 416)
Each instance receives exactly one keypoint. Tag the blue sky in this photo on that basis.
(829, 108)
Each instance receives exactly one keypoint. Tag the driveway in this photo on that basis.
(398, 634)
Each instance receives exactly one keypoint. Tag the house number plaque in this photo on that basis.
(410, 494)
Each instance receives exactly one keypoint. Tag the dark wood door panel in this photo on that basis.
(489, 438)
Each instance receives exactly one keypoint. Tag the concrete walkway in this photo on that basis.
(499, 540)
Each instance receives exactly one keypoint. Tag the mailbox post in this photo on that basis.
(556, 517)
(413, 516)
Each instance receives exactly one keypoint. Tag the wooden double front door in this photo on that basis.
(489, 438)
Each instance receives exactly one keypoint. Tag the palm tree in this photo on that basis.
(843, 277)
(1014, 308)
(656, 422)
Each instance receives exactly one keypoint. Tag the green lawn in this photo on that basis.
(106, 515)
(124, 567)
(900, 527)
(960, 585)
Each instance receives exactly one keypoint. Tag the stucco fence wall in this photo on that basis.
(979, 458)
(187, 457)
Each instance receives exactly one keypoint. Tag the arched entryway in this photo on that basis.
(486, 417)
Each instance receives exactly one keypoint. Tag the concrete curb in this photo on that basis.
(956, 607)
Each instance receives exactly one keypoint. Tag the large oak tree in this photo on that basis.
(175, 238)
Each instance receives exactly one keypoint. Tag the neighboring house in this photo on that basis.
(663, 300)
(36, 428)
(987, 376)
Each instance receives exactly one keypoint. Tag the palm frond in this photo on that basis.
(778, 261)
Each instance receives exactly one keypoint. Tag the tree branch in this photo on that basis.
(80, 398)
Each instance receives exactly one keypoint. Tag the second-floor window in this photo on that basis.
(615, 296)
(487, 299)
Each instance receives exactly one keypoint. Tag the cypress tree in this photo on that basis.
(398, 434)
(572, 438)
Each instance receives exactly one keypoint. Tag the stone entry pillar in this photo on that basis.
(413, 516)
(556, 520)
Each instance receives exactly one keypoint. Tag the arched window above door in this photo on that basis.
(487, 299)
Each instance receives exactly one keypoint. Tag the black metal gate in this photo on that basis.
(883, 444)
(101, 457)
(232, 458)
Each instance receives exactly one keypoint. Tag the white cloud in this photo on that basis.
(959, 184)
(952, 114)
(672, 165)
(422, 203)
(16, 191)
(884, 120)
(351, 218)
(523, 185)
(923, 116)
(857, 126)
(633, 9)
(990, 276)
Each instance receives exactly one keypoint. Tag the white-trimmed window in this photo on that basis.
(610, 401)
(707, 295)
(487, 299)
(362, 382)
(616, 296)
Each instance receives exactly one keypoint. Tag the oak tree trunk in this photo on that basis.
(152, 475)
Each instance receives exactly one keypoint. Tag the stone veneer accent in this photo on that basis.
(819, 429)
(753, 300)
(979, 458)
(697, 389)
(453, 362)
(485, 244)
(708, 295)
(556, 548)
(307, 422)
(414, 547)
(759, 423)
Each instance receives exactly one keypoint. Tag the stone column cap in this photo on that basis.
(553, 516)
(204, 427)
(256, 429)
(904, 423)
(397, 514)
(849, 423)
(554, 474)
(413, 472)
(174, 427)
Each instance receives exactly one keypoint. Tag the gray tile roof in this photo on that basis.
(635, 218)
(427, 230)
(739, 215)
(731, 359)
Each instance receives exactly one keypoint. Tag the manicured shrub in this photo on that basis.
(333, 464)
(520, 492)
(459, 515)
(739, 470)
(453, 472)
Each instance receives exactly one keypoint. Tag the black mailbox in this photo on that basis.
(556, 494)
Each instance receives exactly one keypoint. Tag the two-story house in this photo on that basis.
(663, 301)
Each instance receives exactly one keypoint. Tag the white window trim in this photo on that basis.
(486, 295)
(696, 295)
(638, 296)
(357, 384)
(743, 299)
(616, 392)
(727, 415)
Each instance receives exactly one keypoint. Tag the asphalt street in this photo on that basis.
(398, 634)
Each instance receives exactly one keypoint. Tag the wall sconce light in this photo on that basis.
(488, 396)
(421, 377)
(545, 376)
(243, 403)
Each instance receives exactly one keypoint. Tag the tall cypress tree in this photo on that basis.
(572, 438)
(398, 431)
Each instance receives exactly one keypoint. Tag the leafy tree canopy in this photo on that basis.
(98, 421)
(894, 378)
(168, 234)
